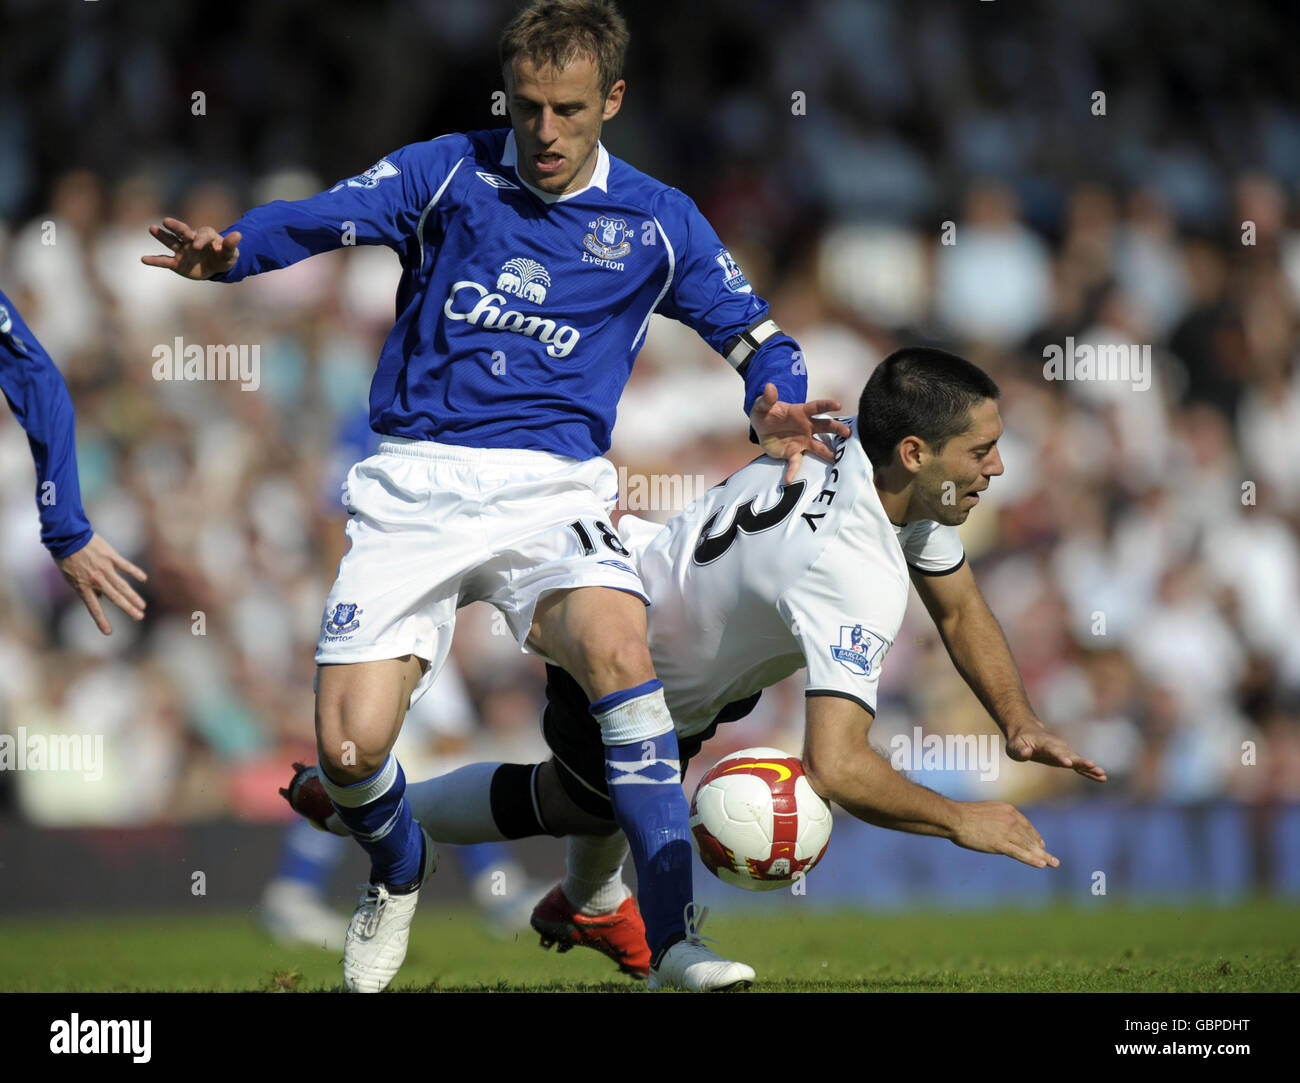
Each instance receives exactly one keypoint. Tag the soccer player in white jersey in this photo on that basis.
(532, 261)
(762, 578)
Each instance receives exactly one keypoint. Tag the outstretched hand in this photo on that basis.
(1040, 746)
(93, 570)
(196, 253)
(786, 430)
(995, 827)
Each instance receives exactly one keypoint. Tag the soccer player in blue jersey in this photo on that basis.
(532, 262)
(39, 399)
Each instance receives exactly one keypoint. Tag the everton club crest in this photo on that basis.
(608, 238)
(343, 620)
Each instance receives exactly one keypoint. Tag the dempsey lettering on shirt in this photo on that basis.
(830, 486)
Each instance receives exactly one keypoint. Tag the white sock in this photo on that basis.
(593, 882)
(456, 808)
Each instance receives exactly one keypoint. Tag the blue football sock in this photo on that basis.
(376, 811)
(645, 788)
(310, 856)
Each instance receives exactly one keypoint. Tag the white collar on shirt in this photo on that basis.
(599, 176)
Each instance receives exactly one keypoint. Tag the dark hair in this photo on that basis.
(556, 32)
(919, 391)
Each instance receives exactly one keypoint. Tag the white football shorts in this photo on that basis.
(434, 527)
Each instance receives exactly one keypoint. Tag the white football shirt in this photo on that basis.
(756, 580)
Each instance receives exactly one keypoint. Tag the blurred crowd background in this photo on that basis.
(1140, 549)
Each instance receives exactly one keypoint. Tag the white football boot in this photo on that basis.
(690, 966)
(381, 929)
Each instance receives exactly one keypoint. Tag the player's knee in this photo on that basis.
(348, 749)
(347, 763)
(615, 662)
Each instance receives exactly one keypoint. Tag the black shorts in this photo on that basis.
(573, 735)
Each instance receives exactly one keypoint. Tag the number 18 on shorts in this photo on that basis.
(435, 527)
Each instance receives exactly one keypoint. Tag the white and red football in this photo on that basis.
(756, 821)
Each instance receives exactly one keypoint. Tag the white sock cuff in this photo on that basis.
(362, 793)
(635, 720)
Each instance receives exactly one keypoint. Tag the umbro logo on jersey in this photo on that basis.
(494, 180)
(524, 278)
(858, 649)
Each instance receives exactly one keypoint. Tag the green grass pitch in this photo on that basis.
(1253, 947)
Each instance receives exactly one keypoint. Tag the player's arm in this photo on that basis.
(35, 391)
(708, 292)
(842, 767)
(980, 653)
(381, 206)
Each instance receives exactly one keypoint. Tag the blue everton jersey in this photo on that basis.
(520, 313)
(38, 396)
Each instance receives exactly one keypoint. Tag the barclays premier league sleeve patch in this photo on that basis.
(732, 276)
(858, 650)
(371, 177)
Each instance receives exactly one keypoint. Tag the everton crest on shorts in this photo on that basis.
(341, 622)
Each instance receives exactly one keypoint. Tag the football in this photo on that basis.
(756, 821)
